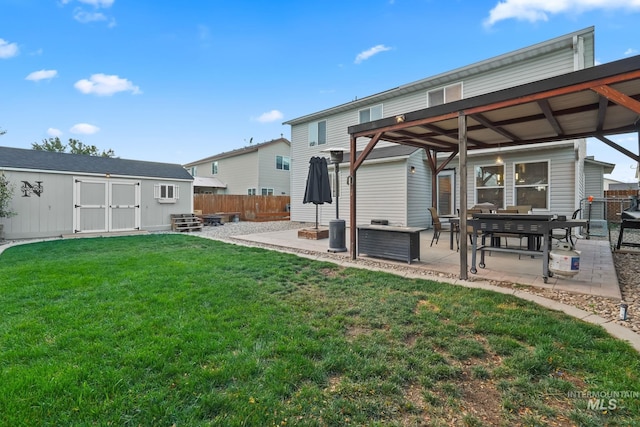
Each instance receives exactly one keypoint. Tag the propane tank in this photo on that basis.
(564, 261)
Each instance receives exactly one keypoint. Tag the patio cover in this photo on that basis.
(595, 102)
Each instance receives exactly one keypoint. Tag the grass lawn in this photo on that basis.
(168, 329)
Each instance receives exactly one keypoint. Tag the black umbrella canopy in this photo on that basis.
(318, 189)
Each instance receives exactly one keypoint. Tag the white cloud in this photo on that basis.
(86, 17)
(104, 85)
(84, 129)
(54, 132)
(362, 56)
(539, 10)
(630, 52)
(270, 116)
(7, 50)
(98, 3)
(42, 75)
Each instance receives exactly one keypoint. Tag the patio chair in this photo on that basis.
(438, 226)
(566, 234)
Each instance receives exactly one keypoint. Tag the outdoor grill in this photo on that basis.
(536, 228)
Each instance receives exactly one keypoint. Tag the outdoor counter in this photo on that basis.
(386, 241)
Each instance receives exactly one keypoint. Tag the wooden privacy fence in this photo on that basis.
(250, 208)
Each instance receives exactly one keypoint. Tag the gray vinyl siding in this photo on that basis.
(562, 169)
(239, 172)
(269, 176)
(504, 72)
(419, 197)
(381, 193)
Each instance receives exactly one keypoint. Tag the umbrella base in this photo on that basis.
(313, 233)
(337, 235)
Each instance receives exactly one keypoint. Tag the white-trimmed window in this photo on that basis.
(194, 170)
(371, 114)
(214, 168)
(166, 193)
(444, 94)
(490, 185)
(251, 191)
(267, 191)
(531, 184)
(318, 133)
(283, 163)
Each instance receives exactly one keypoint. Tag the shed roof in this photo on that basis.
(34, 160)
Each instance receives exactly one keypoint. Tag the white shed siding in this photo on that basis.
(51, 214)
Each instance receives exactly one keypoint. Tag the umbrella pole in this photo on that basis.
(316, 217)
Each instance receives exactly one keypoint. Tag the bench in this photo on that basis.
(185, 222)
(273, 216)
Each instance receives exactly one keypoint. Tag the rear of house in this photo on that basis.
(402, 189)
(59, 194)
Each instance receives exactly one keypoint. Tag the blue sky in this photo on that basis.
(178, 80)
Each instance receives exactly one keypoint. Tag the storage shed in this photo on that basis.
(57, 194)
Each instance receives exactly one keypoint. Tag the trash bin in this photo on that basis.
(337, 240)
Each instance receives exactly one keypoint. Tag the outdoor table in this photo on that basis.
(536, 225)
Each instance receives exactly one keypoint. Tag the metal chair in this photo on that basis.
(437, 226)
(566, 234)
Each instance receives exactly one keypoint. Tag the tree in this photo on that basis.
(75, 147)
(6, 193)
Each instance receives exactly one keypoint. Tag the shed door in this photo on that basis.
(124, 206)
(104, 206)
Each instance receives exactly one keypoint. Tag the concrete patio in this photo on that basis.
(597, 275)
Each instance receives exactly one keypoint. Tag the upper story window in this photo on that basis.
(318, 133)
(267, 191)
(371, 114)
(531, 184)
(193, 170)
(490, 185)
(444, 94)
(283, 163)
(251, 191)
(214, 168)
(166, 193)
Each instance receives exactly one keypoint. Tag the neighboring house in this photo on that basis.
(400, 188)
(59, 193)
(260, 169)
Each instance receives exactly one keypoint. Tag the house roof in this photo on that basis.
(34, 160)
(238, 151)
(208, 181)
(488, 65)
(606, 167)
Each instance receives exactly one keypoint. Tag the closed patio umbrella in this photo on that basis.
(318, 190)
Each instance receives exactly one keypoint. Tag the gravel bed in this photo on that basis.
(627, 265)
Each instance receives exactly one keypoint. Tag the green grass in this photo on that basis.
(178, 330)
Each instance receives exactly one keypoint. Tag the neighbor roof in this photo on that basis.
(237, 152)
(33, 160)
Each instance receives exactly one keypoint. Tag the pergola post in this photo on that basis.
(462, 140)
(351, 180)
